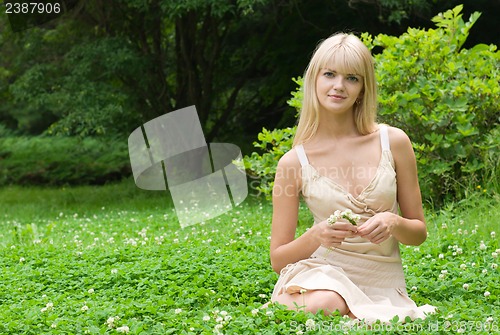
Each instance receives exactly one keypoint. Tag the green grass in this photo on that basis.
(94, 259)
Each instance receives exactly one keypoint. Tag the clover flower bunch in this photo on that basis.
(346, 214)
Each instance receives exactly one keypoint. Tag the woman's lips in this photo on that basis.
(336, 97)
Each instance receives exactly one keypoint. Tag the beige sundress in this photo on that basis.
(368, 276)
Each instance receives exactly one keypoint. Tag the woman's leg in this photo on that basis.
(313, 301)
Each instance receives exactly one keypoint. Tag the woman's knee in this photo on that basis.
(325, 300)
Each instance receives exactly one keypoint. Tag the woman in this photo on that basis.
(342, 159)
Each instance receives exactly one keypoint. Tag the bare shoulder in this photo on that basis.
(289, 160)
(289, 168)
(399, 140)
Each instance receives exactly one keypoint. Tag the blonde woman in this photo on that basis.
(342, 159)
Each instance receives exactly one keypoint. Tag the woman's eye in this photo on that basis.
(353, 78)
(328, 74)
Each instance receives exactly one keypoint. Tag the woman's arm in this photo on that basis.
(285, 249)
(409, 227)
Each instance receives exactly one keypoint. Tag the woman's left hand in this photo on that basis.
(378, 228)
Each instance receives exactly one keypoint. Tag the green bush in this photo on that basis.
(443, 96)
(61, 160)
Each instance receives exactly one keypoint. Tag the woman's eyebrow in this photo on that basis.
(348, 74)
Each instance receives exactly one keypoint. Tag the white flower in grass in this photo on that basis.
(463, 266)
(310, 324)
(493, 234)
(49, 306)
(487, 294)
(114, 271)
(494, 266)
(460, 331)
(441, 256)
(123, 329)
(494, 254)
(413, 288)
(178, 311)
(262, 295)
(485, 271)
(90, 291)
(489, 319)
(206, 318)
(85, 308)
(22, 259)
(465, 286)
(482, 246)
(255, 312)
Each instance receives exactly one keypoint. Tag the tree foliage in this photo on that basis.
(444, 96)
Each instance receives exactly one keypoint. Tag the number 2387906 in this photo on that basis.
(15, 7)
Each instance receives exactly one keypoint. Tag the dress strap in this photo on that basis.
(384, 138)
(302, 155)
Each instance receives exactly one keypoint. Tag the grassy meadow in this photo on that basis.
(113, 259)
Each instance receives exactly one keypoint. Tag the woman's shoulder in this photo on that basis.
(290, 159)
(397, 137)
(400, 143)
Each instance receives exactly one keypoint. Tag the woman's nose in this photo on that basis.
(338, 83)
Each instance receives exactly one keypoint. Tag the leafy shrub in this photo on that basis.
(444, 97)
(61, 160)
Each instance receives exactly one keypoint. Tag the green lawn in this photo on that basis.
(104, 260)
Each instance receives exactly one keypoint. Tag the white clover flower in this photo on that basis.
(487, 294)
(492, 234)
(206, 318)
(223, 313)
(90, 291)
(219, 319)
(444, 272)
(463, 266)
(255, 312)
(444, 226)
(441, 256)
(85, 308)
(310, 324)
(460, 330)
(441, 276)
(494, 266)
(459, 251)
(414, 288)
(262, 295)
(22, 259)
(465, 286)
(494, 254)
(485, 271)
(123, 329)
(482, 246)
(489, 319)
(114, 271)
(178, 311)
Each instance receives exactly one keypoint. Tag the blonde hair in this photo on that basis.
(349, 55)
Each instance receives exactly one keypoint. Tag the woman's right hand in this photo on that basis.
(332, 235)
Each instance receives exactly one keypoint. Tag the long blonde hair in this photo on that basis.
(349, 55)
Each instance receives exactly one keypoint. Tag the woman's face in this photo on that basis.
(336, 91)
